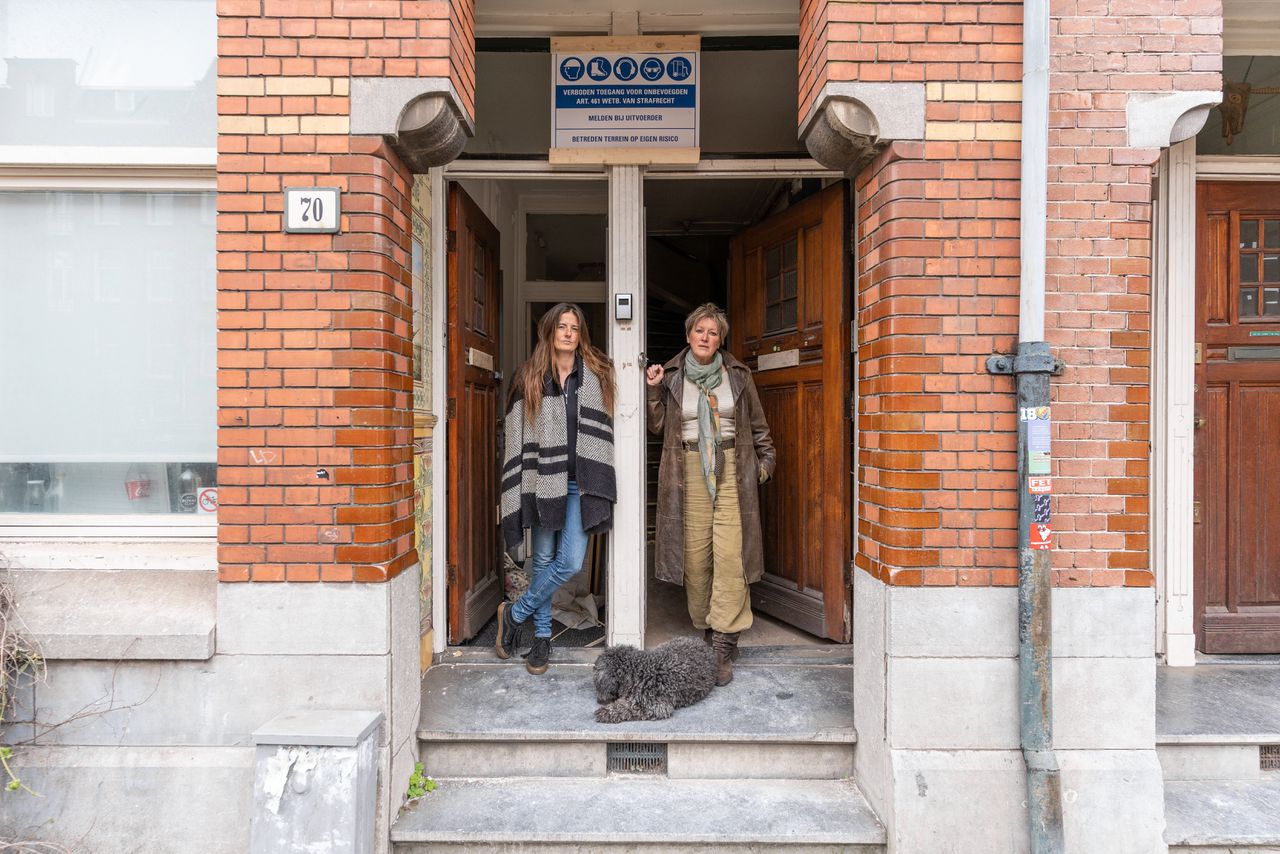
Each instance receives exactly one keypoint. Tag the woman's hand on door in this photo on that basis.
(654, 374)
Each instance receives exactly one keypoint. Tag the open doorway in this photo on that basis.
(772, 252)
(515, 248)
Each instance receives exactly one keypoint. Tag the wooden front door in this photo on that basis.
(789, 321)
(1237, 468)
(474, 411)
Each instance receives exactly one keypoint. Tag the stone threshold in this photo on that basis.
(765, 703)
(1235, 814)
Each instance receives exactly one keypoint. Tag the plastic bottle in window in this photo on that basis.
(137, 483)
(189, 484)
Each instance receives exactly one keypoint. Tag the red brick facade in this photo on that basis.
(314, 354)
(937, 248)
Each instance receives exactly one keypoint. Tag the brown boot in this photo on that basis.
(726, 647)
(709, 633)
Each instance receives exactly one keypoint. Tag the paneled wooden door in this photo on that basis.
(475, 581)
(1237, 468)
(789, 321)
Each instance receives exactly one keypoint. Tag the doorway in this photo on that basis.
(772, 252)
(514, 249)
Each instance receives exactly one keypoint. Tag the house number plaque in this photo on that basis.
(312, 210)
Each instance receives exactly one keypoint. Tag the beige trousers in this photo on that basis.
(715, 580)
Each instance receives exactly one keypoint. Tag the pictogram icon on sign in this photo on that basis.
(625, 68)
(599, 68)
(207, 500)
(1041, 536)
(679, 68)
(651, 68)
(571, 69)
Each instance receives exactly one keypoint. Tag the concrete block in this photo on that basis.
(1104, 703)
(953, 704)
(303, 619)
(308, 798)
(405, 672)
(871, 760)
(1106, 622)
(953, 622)
(1209, 761)
(319, 728)
(116, 614)
(199, 555)
(221, 701)
(514, 758)
(960, 802)
(730, 761)
(1112, 800)
(133, 800)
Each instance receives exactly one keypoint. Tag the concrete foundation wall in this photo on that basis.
(157, 756)
(938, 697)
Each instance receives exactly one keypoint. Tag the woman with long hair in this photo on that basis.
(716, 451)
(557, 469)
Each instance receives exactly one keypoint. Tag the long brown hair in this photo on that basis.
(530, 376)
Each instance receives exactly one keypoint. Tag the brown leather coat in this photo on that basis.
(753, 448)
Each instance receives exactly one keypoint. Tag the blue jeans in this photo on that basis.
(557, 557)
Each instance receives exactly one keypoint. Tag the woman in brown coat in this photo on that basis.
(716, 451)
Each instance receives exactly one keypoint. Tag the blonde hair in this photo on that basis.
(530, 376)
(704, 311)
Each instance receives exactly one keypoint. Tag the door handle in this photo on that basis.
(1200, 421)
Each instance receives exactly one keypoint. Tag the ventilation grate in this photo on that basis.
(637, 757)
(1270, 757)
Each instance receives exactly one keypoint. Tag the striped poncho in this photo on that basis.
(535, 460)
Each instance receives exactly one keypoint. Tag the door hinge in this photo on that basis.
(451, 409)
(1195, 512)
(453, 573)
(1199, 352)
(450, 240)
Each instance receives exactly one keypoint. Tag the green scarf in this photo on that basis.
(707, 378)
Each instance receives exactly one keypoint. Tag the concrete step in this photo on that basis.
(1223, 817)
(1218, 704)
(1210, 761)
(779, 721)
(638, 814)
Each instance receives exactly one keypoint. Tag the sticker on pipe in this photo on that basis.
(1040, 509)
(1039, 485)
(1041, 536)
(1038, 447)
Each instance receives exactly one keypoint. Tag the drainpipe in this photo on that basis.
(1031, 367)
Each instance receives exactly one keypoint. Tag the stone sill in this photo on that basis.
(115, 600)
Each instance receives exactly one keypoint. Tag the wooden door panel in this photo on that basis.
(474, 548)
(788, 311)
(1255, 437)
(1238, 407)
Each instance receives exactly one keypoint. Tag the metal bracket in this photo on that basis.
(1032, 363)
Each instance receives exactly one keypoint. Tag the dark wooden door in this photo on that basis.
(1237, 469)
(474, 410)
(789, 321)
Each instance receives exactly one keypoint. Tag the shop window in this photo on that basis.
(138, 73)
(107, 353)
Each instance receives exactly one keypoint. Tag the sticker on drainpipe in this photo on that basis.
(1041, 536)
(1038, 447)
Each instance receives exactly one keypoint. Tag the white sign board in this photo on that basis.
(625, 99)
(312, 210)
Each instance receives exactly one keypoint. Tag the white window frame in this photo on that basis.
(121, 171)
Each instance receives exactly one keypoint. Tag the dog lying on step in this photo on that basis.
(649, 685)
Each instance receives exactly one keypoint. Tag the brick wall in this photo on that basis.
(937, 266)
(314, 331)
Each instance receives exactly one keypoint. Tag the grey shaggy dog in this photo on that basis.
(649, 685)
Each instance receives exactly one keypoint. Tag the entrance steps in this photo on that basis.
(1218, 739)
(765, 763)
